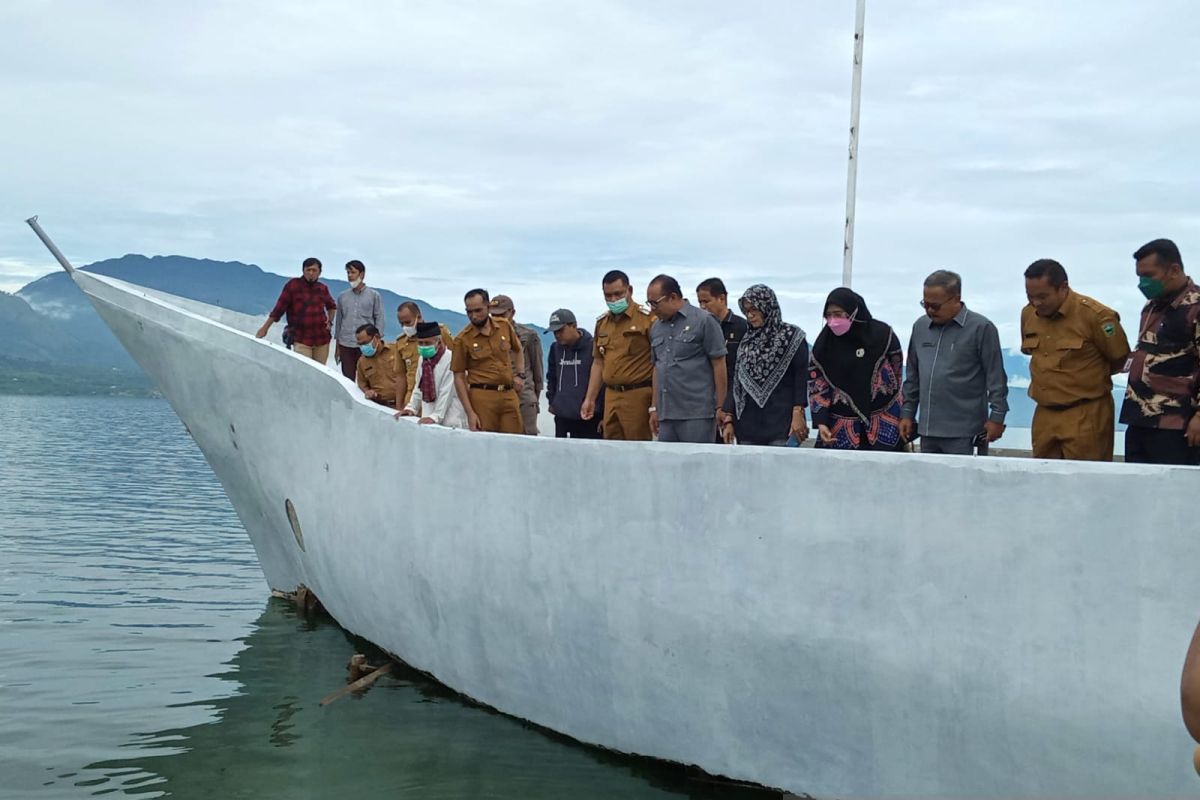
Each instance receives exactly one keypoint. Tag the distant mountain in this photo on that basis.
(28, 334)
(50, 323)
(231, 284)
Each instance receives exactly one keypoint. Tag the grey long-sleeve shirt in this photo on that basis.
(354, 309)
(954, 380)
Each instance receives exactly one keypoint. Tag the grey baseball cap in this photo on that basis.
(558, 319)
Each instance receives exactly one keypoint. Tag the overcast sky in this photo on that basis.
(529, 147)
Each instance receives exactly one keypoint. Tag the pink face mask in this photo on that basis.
(840, 326)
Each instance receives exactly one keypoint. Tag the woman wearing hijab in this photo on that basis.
(855, 378)
(770, 380)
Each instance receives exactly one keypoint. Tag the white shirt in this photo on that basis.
(446, 409)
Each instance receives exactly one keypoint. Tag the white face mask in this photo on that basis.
(355, 284)
(409, 330)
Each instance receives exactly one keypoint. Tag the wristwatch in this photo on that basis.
(521, 375)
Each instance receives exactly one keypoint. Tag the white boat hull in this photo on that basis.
(839, 624)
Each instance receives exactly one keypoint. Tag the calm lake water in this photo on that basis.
(140, 655)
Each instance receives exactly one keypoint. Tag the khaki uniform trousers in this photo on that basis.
(1079, 433)
(529, 419)
(319, 354)
(627, 414)
(499, 412)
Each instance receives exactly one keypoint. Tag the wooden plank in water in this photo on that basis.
(361, 683)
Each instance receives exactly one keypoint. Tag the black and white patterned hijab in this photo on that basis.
(764, 353)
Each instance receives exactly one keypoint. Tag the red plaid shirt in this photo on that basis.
(307, 306)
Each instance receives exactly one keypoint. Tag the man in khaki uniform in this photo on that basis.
(621, 364)
(535, 374)
(1075, 346)
(485, 378)
(409, 316)
(376, 369)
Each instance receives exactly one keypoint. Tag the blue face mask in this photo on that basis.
(367, 349)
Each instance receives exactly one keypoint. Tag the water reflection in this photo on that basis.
(131, 600)
(407, 737)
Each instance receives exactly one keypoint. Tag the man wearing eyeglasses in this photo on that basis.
(955, 386)
(688, 350)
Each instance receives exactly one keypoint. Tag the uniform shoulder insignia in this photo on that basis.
(601, 316)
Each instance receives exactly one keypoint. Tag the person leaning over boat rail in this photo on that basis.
(434, 398)
(1162, 400)
(713, 297)
(531, 345)
(955, 387)
(309, 308)
(408, 314)
(769, 388)
(567, 378)
(486, 377)
(621, 364)
(854, 386)
(376, 370)
(688, 352)
(356, 306)
(1075, 345)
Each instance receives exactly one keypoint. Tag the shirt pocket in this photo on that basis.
(601, 343)
(635, 343)
(688, 345)
(480, 350)
(1029, 343)
(1066, 350)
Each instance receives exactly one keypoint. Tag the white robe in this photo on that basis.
(446, 409)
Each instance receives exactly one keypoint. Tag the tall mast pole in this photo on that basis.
(852, 168)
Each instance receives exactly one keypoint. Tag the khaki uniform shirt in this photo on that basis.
(406, 354)
(486, 357)
(623, 341)
(1075, 353)
(379, 373)
(535, 369)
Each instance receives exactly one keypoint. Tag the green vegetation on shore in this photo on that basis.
(18, 376)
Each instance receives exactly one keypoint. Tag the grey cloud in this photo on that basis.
(540, 144)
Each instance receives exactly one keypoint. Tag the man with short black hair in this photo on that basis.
(356, 306)
(621, 364)
(713, 298)
(688, 352)
(1162, 401)
(486, 377)
(309, 308)
(1075, 345)
(567, 378)
(955, 387)
(376, 370)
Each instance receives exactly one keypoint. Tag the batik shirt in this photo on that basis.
(1164, 371)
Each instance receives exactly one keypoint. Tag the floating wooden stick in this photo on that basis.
(361, 683)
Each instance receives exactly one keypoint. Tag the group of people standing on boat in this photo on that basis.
(680, 372)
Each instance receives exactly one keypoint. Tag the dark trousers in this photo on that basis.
(349, 357)
(565, 428)
(1158, 446)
